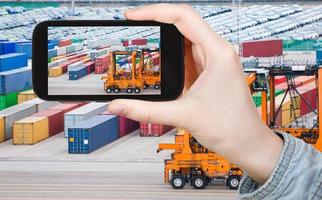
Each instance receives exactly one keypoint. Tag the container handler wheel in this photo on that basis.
(157, 86)
(129, 90)
(199, 182)
(109, 90)
(116, 90)
(145, 86)
(178, 181)
(137, 90)
(233, 182)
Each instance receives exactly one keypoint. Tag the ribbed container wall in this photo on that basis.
(8, 100)
(154, 130)
(13, 61)
(9, 83)
(92, 134)
(30, 130)
(126, 125)
(319, 57)
(83, 113)
(12, 114)
(66, 107)
(26, 96)
(262, 48)
(24, 48)
(55, 120)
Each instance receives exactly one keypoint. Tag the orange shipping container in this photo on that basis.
(2, 133)
(30, 130)
(55, 71)
(25, 96)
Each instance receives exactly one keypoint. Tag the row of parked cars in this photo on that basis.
(236, 25)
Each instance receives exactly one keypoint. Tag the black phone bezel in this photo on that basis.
(172, 59)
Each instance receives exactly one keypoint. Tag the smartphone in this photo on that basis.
(105, 60)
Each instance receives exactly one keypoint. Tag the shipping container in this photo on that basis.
(319, 57)
(13, 61)
(308, 101)
(262, 48)
(66, 107)
(55, 120)
(135, 42)
(126, 125)
(50, 46)
(30, 130)
(148, 129)
(7, 47)
(10, 115)
(83, 113)
(41, 104)
(26, 96)
(9, 80)
(92, 134)
(78, 72)
(61, 51)
(64, 42)
(55, 71)
(24, 48)
(52, 53)
(8, 100)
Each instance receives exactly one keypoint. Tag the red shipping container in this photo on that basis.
(262, 48)
(100, 70)
(155, 130)
(55, 120)
(65, 42)
(90, 67)
(311, 98)
(280, 79)
(66, 107)
(126, 125)
(102, 60)
(141, 41)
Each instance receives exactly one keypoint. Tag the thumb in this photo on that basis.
(165, 113)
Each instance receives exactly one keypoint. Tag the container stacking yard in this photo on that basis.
(79, 150)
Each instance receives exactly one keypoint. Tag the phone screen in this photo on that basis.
(104, 60)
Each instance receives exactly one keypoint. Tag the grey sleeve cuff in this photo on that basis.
(297, 175)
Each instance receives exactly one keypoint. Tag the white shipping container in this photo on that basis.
(41, 104)
(13, 114)
(83, 113)
(61, 51)
(91, 44)
(78, 46)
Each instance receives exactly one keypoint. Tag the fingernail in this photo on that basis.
(118, 109)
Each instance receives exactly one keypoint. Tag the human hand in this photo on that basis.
(216, 107)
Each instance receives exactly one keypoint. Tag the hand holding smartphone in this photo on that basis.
(105, 60)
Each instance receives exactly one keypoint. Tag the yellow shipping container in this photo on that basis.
(2, 132)
(85, 59)
(287, 116)
(25, 96)
(55, 71)
(30, 130)
(57, 58)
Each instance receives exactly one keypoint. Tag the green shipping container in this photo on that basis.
(8, 100)
(257, 97)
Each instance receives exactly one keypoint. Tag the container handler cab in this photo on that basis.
(191, 162)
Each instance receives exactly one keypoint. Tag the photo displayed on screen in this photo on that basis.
(116, 60)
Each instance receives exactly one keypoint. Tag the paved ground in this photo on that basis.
(129, 168)
(87, 85)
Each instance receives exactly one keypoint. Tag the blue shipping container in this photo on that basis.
(319, 57)
(13, 61)
(78, 72)
(50, 46)
(24, 48)
(54, 42)
(52, 53)
(7, 47)
(93, 134)
(15, 80)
